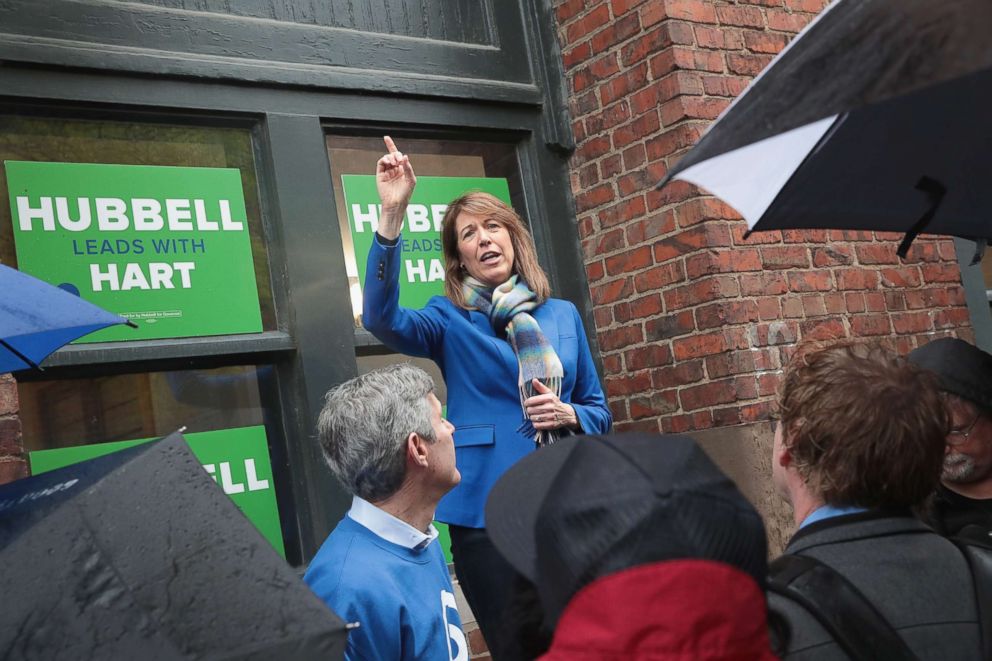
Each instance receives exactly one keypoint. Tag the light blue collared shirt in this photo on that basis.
(388, 527)
(829, 512)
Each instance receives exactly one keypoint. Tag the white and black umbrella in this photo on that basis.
(876, 117)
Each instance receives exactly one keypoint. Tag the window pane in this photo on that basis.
(68, 412)
(368, 363)
(127, 143)
(230, 415)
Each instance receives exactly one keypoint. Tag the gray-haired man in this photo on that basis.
(383, 436)
(963, 503)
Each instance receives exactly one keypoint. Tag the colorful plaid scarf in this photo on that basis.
(508, 307)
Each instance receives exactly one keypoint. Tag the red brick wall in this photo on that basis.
(694, 323)
(12, 463)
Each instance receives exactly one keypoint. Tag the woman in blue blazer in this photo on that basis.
(516, 362)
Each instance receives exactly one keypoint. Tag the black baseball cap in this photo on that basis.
(961, 368)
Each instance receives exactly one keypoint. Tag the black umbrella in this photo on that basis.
(140, 555)
(873, 118)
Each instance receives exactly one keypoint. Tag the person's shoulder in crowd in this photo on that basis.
(354, 559)
(853, 481)
(950, 513)
(878, 552)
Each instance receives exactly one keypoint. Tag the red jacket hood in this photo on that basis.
(678, 610)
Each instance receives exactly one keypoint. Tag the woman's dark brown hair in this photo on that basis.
(863, 425)
(525, 262)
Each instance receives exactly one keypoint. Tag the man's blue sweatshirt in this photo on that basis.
(402, 598)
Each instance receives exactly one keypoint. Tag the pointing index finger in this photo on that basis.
(390, 145)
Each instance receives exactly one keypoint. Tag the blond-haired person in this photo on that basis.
(516, 362)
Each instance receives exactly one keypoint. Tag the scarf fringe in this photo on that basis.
(541, 437)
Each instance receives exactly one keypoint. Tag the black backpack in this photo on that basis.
(851, 619)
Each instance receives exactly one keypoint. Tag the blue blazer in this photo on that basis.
(481, 373)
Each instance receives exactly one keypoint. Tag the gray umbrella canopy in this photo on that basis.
(873, 118)
(139, 554)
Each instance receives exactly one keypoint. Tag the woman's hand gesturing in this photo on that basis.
(395, 180)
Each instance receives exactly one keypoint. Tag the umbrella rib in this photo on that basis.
(20, 355)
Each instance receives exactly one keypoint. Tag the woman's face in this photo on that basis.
(485, 248)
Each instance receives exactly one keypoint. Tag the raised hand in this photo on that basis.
(395, 181)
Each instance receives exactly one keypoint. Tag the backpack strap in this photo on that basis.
(840, 608)
(976, 545)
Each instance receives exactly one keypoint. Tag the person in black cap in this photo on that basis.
(963, 502)
(859, 444)
(639, 547)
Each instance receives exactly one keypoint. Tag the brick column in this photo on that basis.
(694, 322)
(13, 465)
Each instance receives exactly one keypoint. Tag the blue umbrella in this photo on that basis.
(37, 318)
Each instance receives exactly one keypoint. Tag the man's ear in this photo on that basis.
(416, 450)
(784, 456)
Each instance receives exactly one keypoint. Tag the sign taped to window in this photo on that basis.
(422, 270)
(159, 245)
(237, 459)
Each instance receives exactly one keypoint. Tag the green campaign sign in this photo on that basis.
(237, 459)
(422, 271)
(161, 246)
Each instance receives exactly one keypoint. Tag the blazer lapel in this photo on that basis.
(481, 322)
